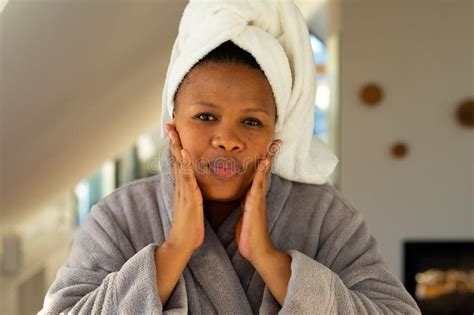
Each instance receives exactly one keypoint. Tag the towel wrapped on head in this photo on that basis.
(276, 35)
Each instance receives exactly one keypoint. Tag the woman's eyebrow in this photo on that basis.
(246, 110)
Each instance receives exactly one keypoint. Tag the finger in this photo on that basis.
(274, 147)
(272, 151)
(170, 148)
(189, 178)
(173, 133)
(256, 195)
(189, 182)
(260, 180)
(175, 149)
(186, 170)
(184, 173)
(264, 165)
(260, 176)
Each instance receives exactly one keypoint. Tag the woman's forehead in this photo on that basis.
(219, 83)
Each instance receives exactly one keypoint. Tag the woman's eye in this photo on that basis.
(209, 117)
(253, 122)
(205, 117)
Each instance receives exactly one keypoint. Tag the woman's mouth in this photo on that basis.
(225, 168)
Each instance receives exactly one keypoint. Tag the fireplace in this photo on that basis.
(440, 275)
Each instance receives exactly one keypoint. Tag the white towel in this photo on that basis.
(275, 33)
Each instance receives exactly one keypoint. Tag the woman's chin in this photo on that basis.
(223, 190)
(220, 194)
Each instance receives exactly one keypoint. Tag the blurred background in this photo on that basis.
(80, 98)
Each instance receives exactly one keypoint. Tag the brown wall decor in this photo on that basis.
(371, 94)
(399, 150)
(465, 113)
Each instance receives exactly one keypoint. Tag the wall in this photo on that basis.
(87, 82)
(421, 53)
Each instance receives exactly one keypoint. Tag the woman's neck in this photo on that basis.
(217, 211)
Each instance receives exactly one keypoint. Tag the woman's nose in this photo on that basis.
(227, 141)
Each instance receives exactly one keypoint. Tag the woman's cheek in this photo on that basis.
(196, 146)
(188, 138)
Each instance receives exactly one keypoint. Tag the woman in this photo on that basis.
(223, 229)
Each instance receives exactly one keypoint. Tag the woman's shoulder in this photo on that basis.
(131, 211)
(136, 201)
(134, 192)
(320, 196)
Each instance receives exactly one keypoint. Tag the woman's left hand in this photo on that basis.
(251, 233)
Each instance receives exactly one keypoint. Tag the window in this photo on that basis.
(322, 104)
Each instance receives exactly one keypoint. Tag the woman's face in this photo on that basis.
(225, 115)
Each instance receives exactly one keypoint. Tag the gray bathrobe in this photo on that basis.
(336, 267)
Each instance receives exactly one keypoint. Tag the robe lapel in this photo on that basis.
(212, 268)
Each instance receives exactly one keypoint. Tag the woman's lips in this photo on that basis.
(225, 168)
(224, 172)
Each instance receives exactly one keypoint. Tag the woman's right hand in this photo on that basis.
(187, 231)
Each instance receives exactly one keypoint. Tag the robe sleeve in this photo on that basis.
(105, 275)
(347, 276)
